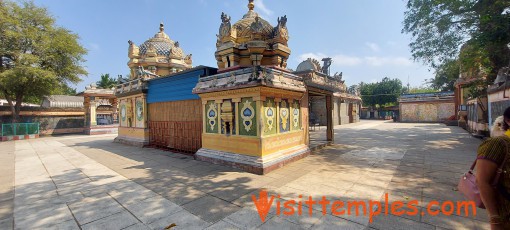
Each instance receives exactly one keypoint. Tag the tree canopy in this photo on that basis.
(445, 76)
(439, 29)
(37, 57)
(383, 93)
(106, 82)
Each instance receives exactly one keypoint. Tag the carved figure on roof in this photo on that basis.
(121, 80)
(176, 51)
(151, 50)
(139, 71)
(225, 27)
(188, 59)
(338, 76)
(133, 50)
(282, 21)
(317, 64)
(256, 26)
(327, 63)
(280, 31)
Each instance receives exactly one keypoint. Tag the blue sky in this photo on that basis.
(362, 36)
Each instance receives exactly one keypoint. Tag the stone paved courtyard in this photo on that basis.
(88, 182)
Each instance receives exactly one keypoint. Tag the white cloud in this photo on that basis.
(94, 46)
(339, 59)
(374, 47)
(259, 4)
(345, 60)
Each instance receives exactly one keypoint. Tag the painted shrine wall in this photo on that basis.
(133, 111)
(426, 111)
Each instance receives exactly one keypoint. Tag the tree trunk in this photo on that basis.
(17, 107)
(14, 115)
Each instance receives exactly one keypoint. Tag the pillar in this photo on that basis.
(93, 115)
(329, 112)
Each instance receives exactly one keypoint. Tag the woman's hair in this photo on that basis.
(506, 116)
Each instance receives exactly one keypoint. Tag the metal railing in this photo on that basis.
(14, 129)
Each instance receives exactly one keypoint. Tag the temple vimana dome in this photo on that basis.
(159, 55)
(252, 41)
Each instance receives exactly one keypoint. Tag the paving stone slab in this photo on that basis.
(118, 220)
(397, 223)
(211, 209)
(222, 225)
(248, 218)
(332, 222)
(152, 209)
(280, 223)
(183, 220)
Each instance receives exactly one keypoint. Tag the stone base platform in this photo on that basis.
(101, 129)
(131, 141)
(252, 164)
(19, 137)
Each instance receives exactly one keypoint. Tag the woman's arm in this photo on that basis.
(485, 172)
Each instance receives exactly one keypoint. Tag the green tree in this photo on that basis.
(106, 82)
(445, 76)
(383, 93)
(367, 91)
(422, 90)
(440, 27)
(36, 55)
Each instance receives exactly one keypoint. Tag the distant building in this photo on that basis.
(62, 101)
(3, 102)
(426, 107)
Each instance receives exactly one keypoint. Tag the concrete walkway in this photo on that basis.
(87, 182)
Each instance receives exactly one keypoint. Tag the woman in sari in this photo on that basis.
(491, 154)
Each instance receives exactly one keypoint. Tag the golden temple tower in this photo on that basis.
(253, 110)
(157, 57)
(252, 41)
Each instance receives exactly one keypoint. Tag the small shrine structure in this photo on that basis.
(101, 115)
(253, 109)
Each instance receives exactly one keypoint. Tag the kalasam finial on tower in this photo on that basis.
(251, 5)
(161, 27)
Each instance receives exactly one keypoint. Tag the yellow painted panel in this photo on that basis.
(235, 144)
(283, 141)
(139, 133)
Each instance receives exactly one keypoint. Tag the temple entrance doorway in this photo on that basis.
(320, 117)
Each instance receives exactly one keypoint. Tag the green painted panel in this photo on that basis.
(296, 120)
(269, 117)
(247, 117)
(211, 117)
(284, 116)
